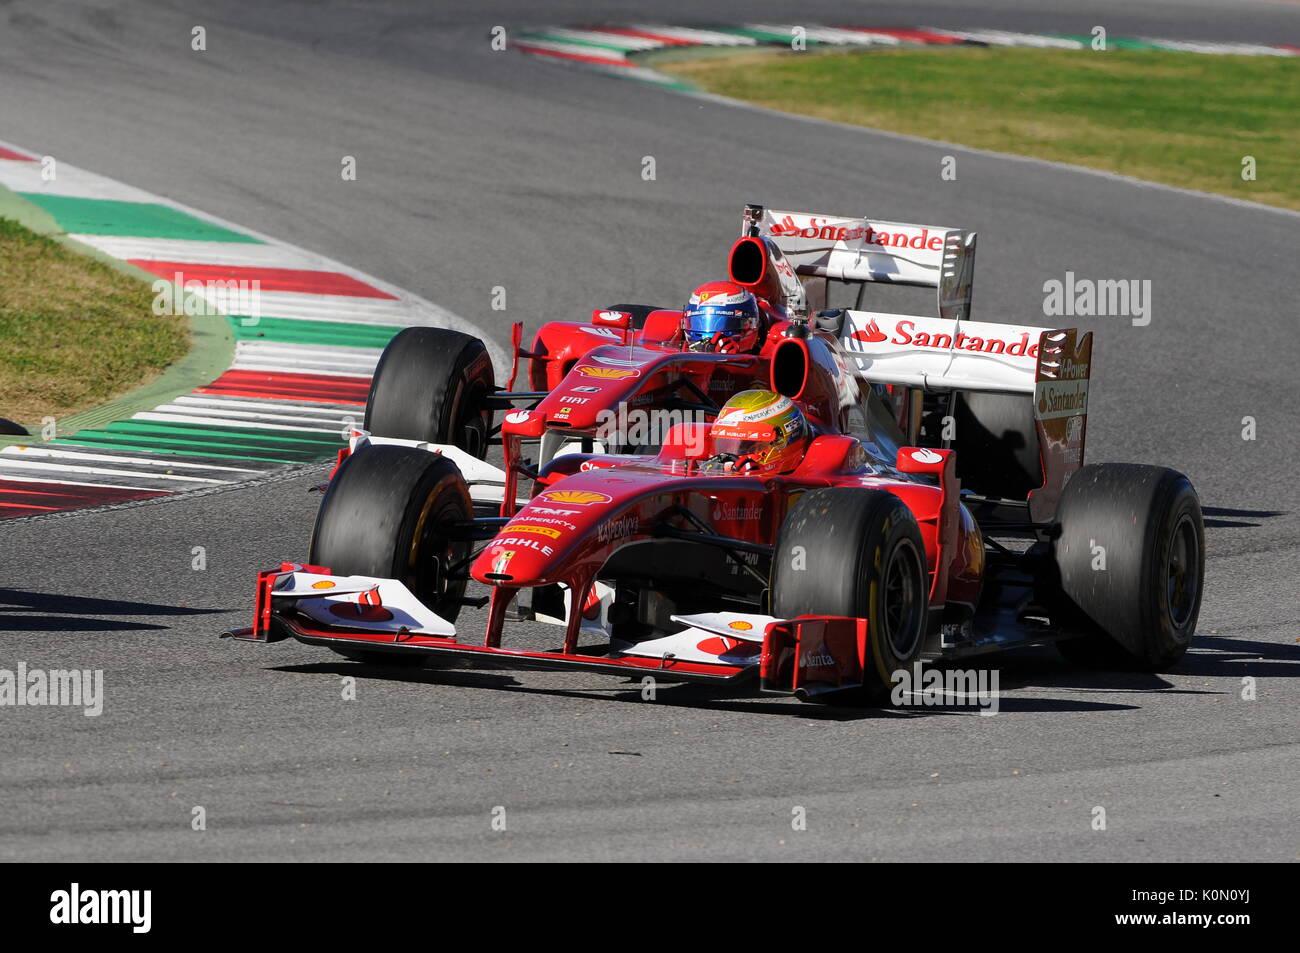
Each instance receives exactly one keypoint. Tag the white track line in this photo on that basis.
(158, 416)
(232, 416)
(170, 461)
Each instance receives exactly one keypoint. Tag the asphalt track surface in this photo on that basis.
(479, 169)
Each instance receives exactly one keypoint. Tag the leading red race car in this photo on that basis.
(881, 489)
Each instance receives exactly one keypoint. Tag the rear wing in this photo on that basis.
(824, 248)
(939, 354)
(1048, 367)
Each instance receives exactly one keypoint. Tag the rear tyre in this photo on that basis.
(853, 552)
(385, 514)
(1131, 559)
(431, 384)
(997, 444)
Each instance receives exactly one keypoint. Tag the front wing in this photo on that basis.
(808, 655)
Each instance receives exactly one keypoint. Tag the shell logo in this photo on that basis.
(580, 497)
(740, 625)
(323, 584)
(609, 373)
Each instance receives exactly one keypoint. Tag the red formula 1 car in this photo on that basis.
(438, 386)
(885, 488)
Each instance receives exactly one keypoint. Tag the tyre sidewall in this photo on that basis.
(1131, 511)
(428, 384)
(379, 518)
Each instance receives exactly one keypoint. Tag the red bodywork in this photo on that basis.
(580, 366)
(585, 508)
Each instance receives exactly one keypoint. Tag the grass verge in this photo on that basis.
(1184, 119)
(76, 332)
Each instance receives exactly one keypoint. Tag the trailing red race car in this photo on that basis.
(438, 386)
(817, 533)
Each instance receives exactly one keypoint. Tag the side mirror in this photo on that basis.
(611, 319)
(921, 460)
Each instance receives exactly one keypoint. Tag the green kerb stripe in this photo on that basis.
(763, 36)
(78, 216)
(248, 436)
(106, 441)
(1112, 43)
(568, 39)
(294, 331)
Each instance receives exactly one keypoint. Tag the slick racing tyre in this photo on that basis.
(854, 552)
(997, 445)
(1131, 559)
(431, 384)
(385, 515)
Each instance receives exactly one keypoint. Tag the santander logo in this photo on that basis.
(838, 232)
(871, 334)
(906, 335)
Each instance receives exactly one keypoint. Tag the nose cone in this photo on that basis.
(588, 393)
(514, 559)
(538, 542)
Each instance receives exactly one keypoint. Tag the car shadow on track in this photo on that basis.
(1233, 658)
(54, 612)
(1212, 514)
(704, 697)
(1210, 657)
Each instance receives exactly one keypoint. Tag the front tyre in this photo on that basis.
(431, 384)
(855, 552)
(1131, 559)
(386, 514)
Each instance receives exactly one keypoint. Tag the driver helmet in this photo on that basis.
(761, 430)
(721, 316)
